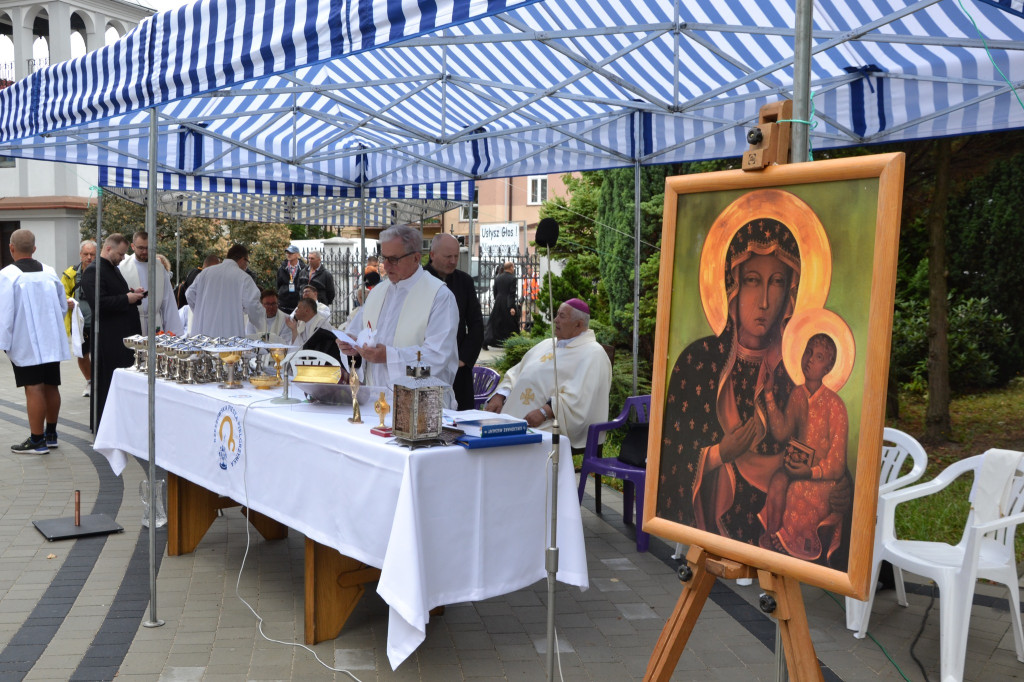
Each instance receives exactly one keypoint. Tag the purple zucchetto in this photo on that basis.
(579, 304)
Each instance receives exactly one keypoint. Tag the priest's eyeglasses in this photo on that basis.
(393, 260)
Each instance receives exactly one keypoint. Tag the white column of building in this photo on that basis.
(96, 34)
(60, 31)
(22, 38)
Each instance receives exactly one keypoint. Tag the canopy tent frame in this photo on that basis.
(569, 108)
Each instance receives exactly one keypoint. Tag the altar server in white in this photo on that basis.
(412, 312)
(221, 295)
(580, 396)
(135, 270)
(32, 307)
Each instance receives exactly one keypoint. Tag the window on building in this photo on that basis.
(475, 207)
(538, 190)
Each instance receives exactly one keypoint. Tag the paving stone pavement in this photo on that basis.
(75, 609)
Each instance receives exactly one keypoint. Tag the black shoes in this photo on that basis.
(31, 447)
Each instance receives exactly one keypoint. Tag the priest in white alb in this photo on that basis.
(223, 295)
(135, 270)
(411, 313)
(579, 394)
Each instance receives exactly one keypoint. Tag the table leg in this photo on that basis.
(266, 526)
(334, 585)
(191, 510)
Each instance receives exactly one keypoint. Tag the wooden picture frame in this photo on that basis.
(755, 266)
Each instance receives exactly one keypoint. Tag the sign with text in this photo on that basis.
(503, 236)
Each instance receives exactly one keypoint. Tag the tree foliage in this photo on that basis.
(198, 235)
(984, 232)
(266, 243)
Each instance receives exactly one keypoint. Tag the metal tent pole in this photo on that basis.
(551, 553)
(151, 368)
(636, 243)
(800, 136)
(95, 358)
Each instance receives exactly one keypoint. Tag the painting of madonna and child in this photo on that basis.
(774, 320)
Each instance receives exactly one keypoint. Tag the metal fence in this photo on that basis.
(347, 267)
(527, 272)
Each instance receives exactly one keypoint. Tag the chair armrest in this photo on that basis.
(998, 524)
(945, 477)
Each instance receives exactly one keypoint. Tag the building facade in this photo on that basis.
(51, 198)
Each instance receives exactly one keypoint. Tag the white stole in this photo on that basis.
(412, 322)
(129, 268)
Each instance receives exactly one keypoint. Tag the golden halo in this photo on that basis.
(805, 324)
(815, 252)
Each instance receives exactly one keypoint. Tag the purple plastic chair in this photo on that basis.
(485, 380)
(633, 478)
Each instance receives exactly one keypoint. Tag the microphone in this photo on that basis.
(547, 232)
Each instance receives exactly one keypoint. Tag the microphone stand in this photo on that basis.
(551, 553)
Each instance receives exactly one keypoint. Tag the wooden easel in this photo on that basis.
(783, 602)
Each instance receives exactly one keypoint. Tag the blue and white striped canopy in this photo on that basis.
(283, 202)
(337, 94)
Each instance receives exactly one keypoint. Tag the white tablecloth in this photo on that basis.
(444, 525)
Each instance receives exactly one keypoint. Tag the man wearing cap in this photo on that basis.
(288, 279)
(579, 395)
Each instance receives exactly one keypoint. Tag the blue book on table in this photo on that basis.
(495, 426)
(474, 442)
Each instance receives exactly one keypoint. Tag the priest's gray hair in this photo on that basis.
(411, 238)
(87, 242)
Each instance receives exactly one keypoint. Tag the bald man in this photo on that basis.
(32, 307)
(444, 257)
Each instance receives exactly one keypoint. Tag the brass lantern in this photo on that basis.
(419, 401)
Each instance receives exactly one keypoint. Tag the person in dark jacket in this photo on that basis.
(317, 275)
(288, 280)
(444, 256)
(504, 319)
(116, 318)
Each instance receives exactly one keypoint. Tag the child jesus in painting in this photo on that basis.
(798, 518)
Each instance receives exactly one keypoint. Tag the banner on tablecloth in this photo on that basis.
(228, 437)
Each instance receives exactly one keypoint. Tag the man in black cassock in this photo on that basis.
(504, 319)
(444, 256)
(116, 317)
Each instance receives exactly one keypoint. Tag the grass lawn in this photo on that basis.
(980, 421)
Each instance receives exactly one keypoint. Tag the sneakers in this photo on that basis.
(88, 389)
(51, 440)
(31, 447)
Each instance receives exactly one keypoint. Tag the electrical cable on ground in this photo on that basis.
(872, 638)
(924, 619)
(248, 539)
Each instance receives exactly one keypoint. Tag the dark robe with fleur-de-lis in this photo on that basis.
(711, 376)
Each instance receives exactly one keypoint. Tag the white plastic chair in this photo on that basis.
(897, 446)
(308, 357)
(985, 551)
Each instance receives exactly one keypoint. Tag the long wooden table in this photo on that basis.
(433, 526)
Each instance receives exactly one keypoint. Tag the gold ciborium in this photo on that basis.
(229, 358)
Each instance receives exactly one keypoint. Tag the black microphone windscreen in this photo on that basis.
(547, 232)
